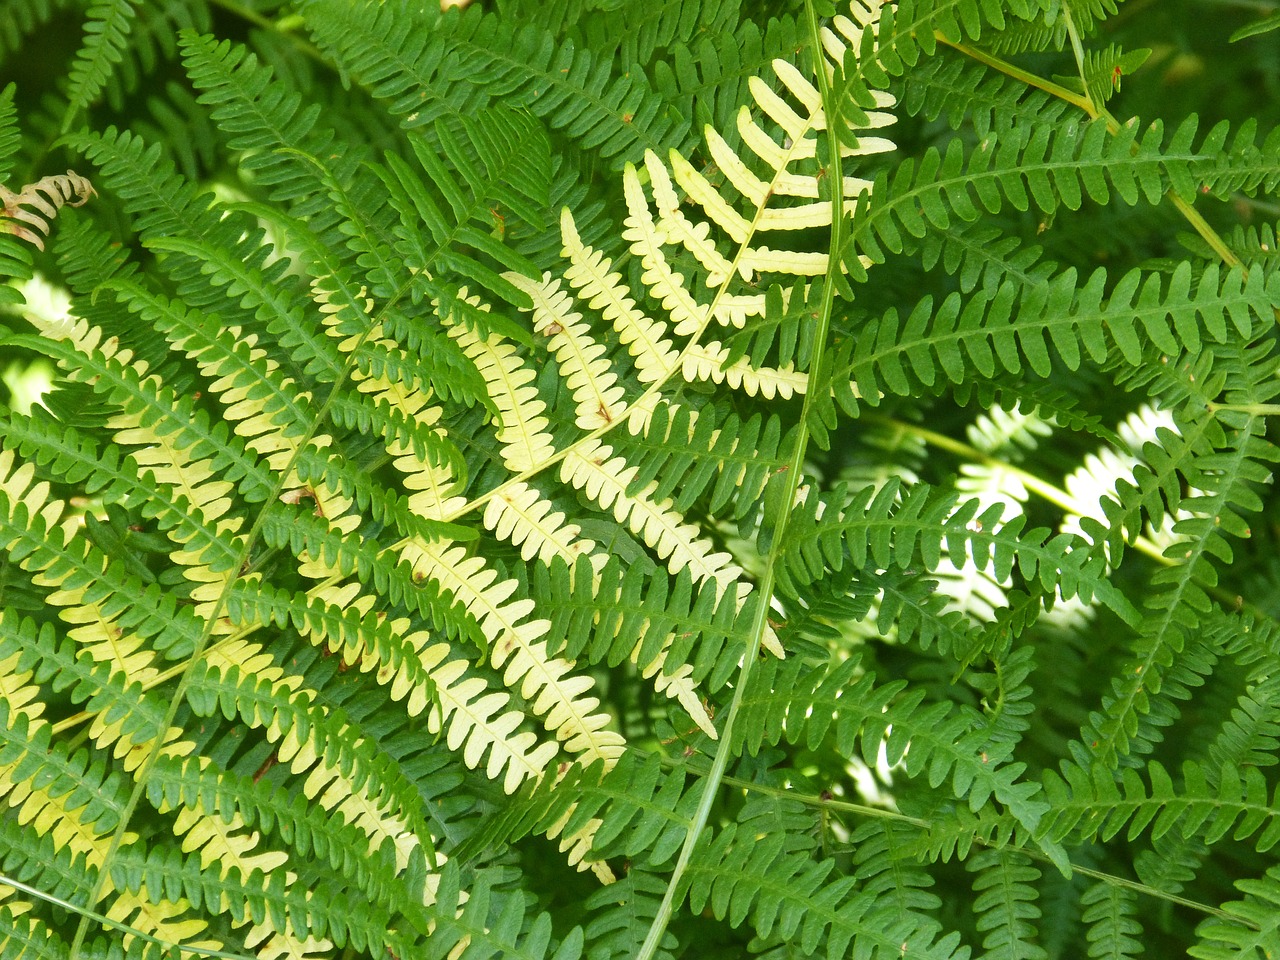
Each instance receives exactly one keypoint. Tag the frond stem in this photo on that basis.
(760, 620)
(1017, 73)
(1192, 216)
(144, 771)
(1077, 50)
(116, 924)
(281, 28)
(1252, 409)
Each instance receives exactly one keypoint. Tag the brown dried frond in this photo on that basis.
(44, 198)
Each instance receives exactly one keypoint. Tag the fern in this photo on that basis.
(634, 480)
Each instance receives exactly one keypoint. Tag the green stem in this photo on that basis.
(1252, 409)
(156, 748)
(1085, 103)
(1060, 498)
(760, 621)
(284, 27)
(1077, 50)
(882, 813)
(1030, 79)
(116, 924)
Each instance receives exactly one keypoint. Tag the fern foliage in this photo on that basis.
(620, 479)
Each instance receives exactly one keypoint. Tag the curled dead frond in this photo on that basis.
(27, 213)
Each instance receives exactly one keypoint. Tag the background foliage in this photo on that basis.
(364, 596)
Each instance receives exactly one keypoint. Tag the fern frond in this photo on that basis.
(886, 867)
(589, 271)
(859, 713)
(1105, 70)
(520, 515)
(968, 92)
(621, 914)
(526, 443)
(1024, 167)
(502, 163)
(1060, 563)
(583, 365)
(605, 478)
(1257, 931)
(343, 771)
(493, 925)
(711, 362)
(1110, 913)
(1089, 805)
(651, 622)
(957, 18)
(106, 34)
(524, 65)
(515, 642)
(893, 355)
(739, 457)
(473, 721)
(788, 895)
(1006, 904)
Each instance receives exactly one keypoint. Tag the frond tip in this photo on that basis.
(45, 198)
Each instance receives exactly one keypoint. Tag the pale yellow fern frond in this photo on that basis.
(522, 431)
(477, 723)
(708, 362)
(516, 647)
(593, 468)
(60, 816)
(245, 406)
(154, 450)
(94, 628)
(331, 787)
(225, 845)
(169, 921)
(583, 365)
(520, 515)
(435, 491)
(665, 284)
(589, 272)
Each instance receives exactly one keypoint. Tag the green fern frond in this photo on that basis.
(1257, 929)
(906, 32)
(10, 136)
(1006, 903)
(428, 458)
(787, 895)
(945, 742)
(1110, 914)
(1240, 805)
(490, 58)
(1041, 167)
(1105, 70)
(106, 34)
(621, 914)
(503, 164)
(968, 92)
(929, 528)
(894, 355)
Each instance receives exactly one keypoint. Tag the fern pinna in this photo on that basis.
(634, 480)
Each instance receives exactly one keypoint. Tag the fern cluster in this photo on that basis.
(641, 479)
